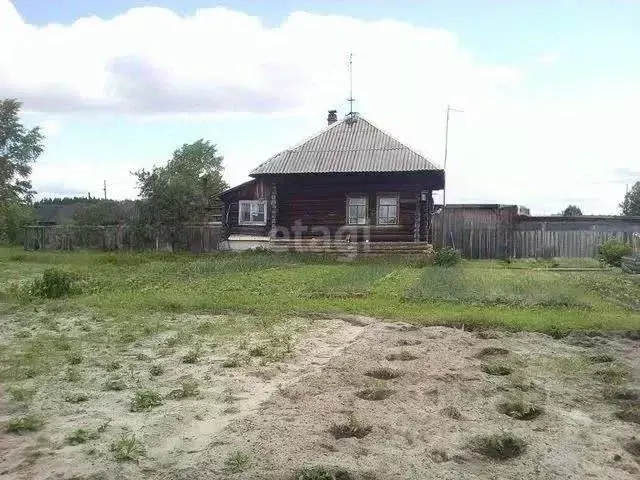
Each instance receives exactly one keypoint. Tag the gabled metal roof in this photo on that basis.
(352, 145)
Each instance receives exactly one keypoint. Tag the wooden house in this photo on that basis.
(352, 181)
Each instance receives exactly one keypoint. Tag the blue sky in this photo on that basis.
(550, 90)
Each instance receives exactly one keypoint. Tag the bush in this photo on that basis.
(612, 251)
(54, 283)
(447, 257)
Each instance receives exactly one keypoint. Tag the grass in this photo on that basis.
(188, 389)
(322, 473)
(80, 436)
(127, 448)
(76, 397)
(491, 351)
(26, 424)
(403, 356)
(629, 414)
(520, 410)
(497, 369)
(145, 400)
(375, 393)
(353, 428)
(384, 373)
(237, 462)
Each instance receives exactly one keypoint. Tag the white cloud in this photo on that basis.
(549, 58)
(513, 143)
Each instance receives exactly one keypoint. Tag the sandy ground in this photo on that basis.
(279, 414)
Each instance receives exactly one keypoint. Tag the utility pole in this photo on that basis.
(104, 188)
(446, 150)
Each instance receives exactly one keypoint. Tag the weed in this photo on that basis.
(72, 375)
(447, 257)
(54, 283)
(352, 429)
(405, 342)
(233, 361)
(156, 370)
(28, 423)
(171, 341)
(192, 356)
(80, 436)
(322, 473)
(623, 394)
(76, 397)
(452, 412)
(189, 388)
(500, 446)
(237, 462)
(601, 358)
(145, 400)
(633, 448)
(611, 374)
(127, 448)
(498, 369)
(384, 373)
(142, 357)
(74, 358)
(403, 356)
(375, 393)
(520, 410)
(630, 414)
(113, 366)
(231, 410)
(491, 351)
(24, 333)
(258, 351)
(439, 456)
(21, 394)
(612, 251)
(115, 384)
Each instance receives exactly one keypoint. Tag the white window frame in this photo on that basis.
(252, 204)
(396, 198)
(366, 209)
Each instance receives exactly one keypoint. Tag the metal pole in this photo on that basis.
(446, 149)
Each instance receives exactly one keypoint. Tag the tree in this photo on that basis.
(19, 149)
(631, 204)
(571, 211)
(185, 188)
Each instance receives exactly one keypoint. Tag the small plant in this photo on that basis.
(113, 366)
(452, 412)
(633, 448)
(447, 257)
(54, 283)
(127, 448)
(237, 462)
(28, 423)
(403, 356)
(74, 358)
(76, 397)
(142, 357)
(115, 384)
(612, 251)
(352, 429)
(405, 342)
(611, 374)
(629, 414)
(258, 351)
(498, 369)
(145, 400)
(500, 446)
(601, 358)
(623, 394)
(375, 393)
(492, 351)
(21, 394)
(192, 356)
(520, 410)
(384, 374)
(233, 361)
(156, 370)
(80, 436)
(322, 473)
(72, 375)
(189, 388)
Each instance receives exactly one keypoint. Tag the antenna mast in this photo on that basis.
(351, 99)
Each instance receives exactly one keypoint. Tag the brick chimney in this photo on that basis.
(332, 117)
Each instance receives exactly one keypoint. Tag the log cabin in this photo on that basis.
(351, 182)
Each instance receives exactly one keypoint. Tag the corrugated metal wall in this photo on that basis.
(500, 232)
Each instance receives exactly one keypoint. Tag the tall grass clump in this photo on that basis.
(612, 251)
(54, 283)
(447, 257)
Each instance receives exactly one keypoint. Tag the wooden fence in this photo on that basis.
(191, 238)
(495, 231)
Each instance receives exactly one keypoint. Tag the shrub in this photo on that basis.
(54, 283)
(612, 251)
(447, 257)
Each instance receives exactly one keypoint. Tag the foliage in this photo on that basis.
(180, 191)
(54, 283)
(630, 206)
(80, 436)
(447, 257)
(571, 211)
(127, 448)
(322, 473)
(14, 216)
(145, 400)
(612, 251)
(353, 428)
(237, 462)
(500, 446)
(105, 212)
(28, 423)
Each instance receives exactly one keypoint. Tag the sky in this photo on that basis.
(550, 90)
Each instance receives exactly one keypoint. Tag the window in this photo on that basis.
(253, 212)
(388, 209)
(357, 210)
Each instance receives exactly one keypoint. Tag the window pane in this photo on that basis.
(388, 201)
(388, 210)
(245, 212)
(358, 201)
(357, 210)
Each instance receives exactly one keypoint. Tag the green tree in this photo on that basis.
(184, 189)
(571, 211)
(104, 212)
(631, 203)
(19, 149)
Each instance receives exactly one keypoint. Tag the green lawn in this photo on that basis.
(519, 295)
